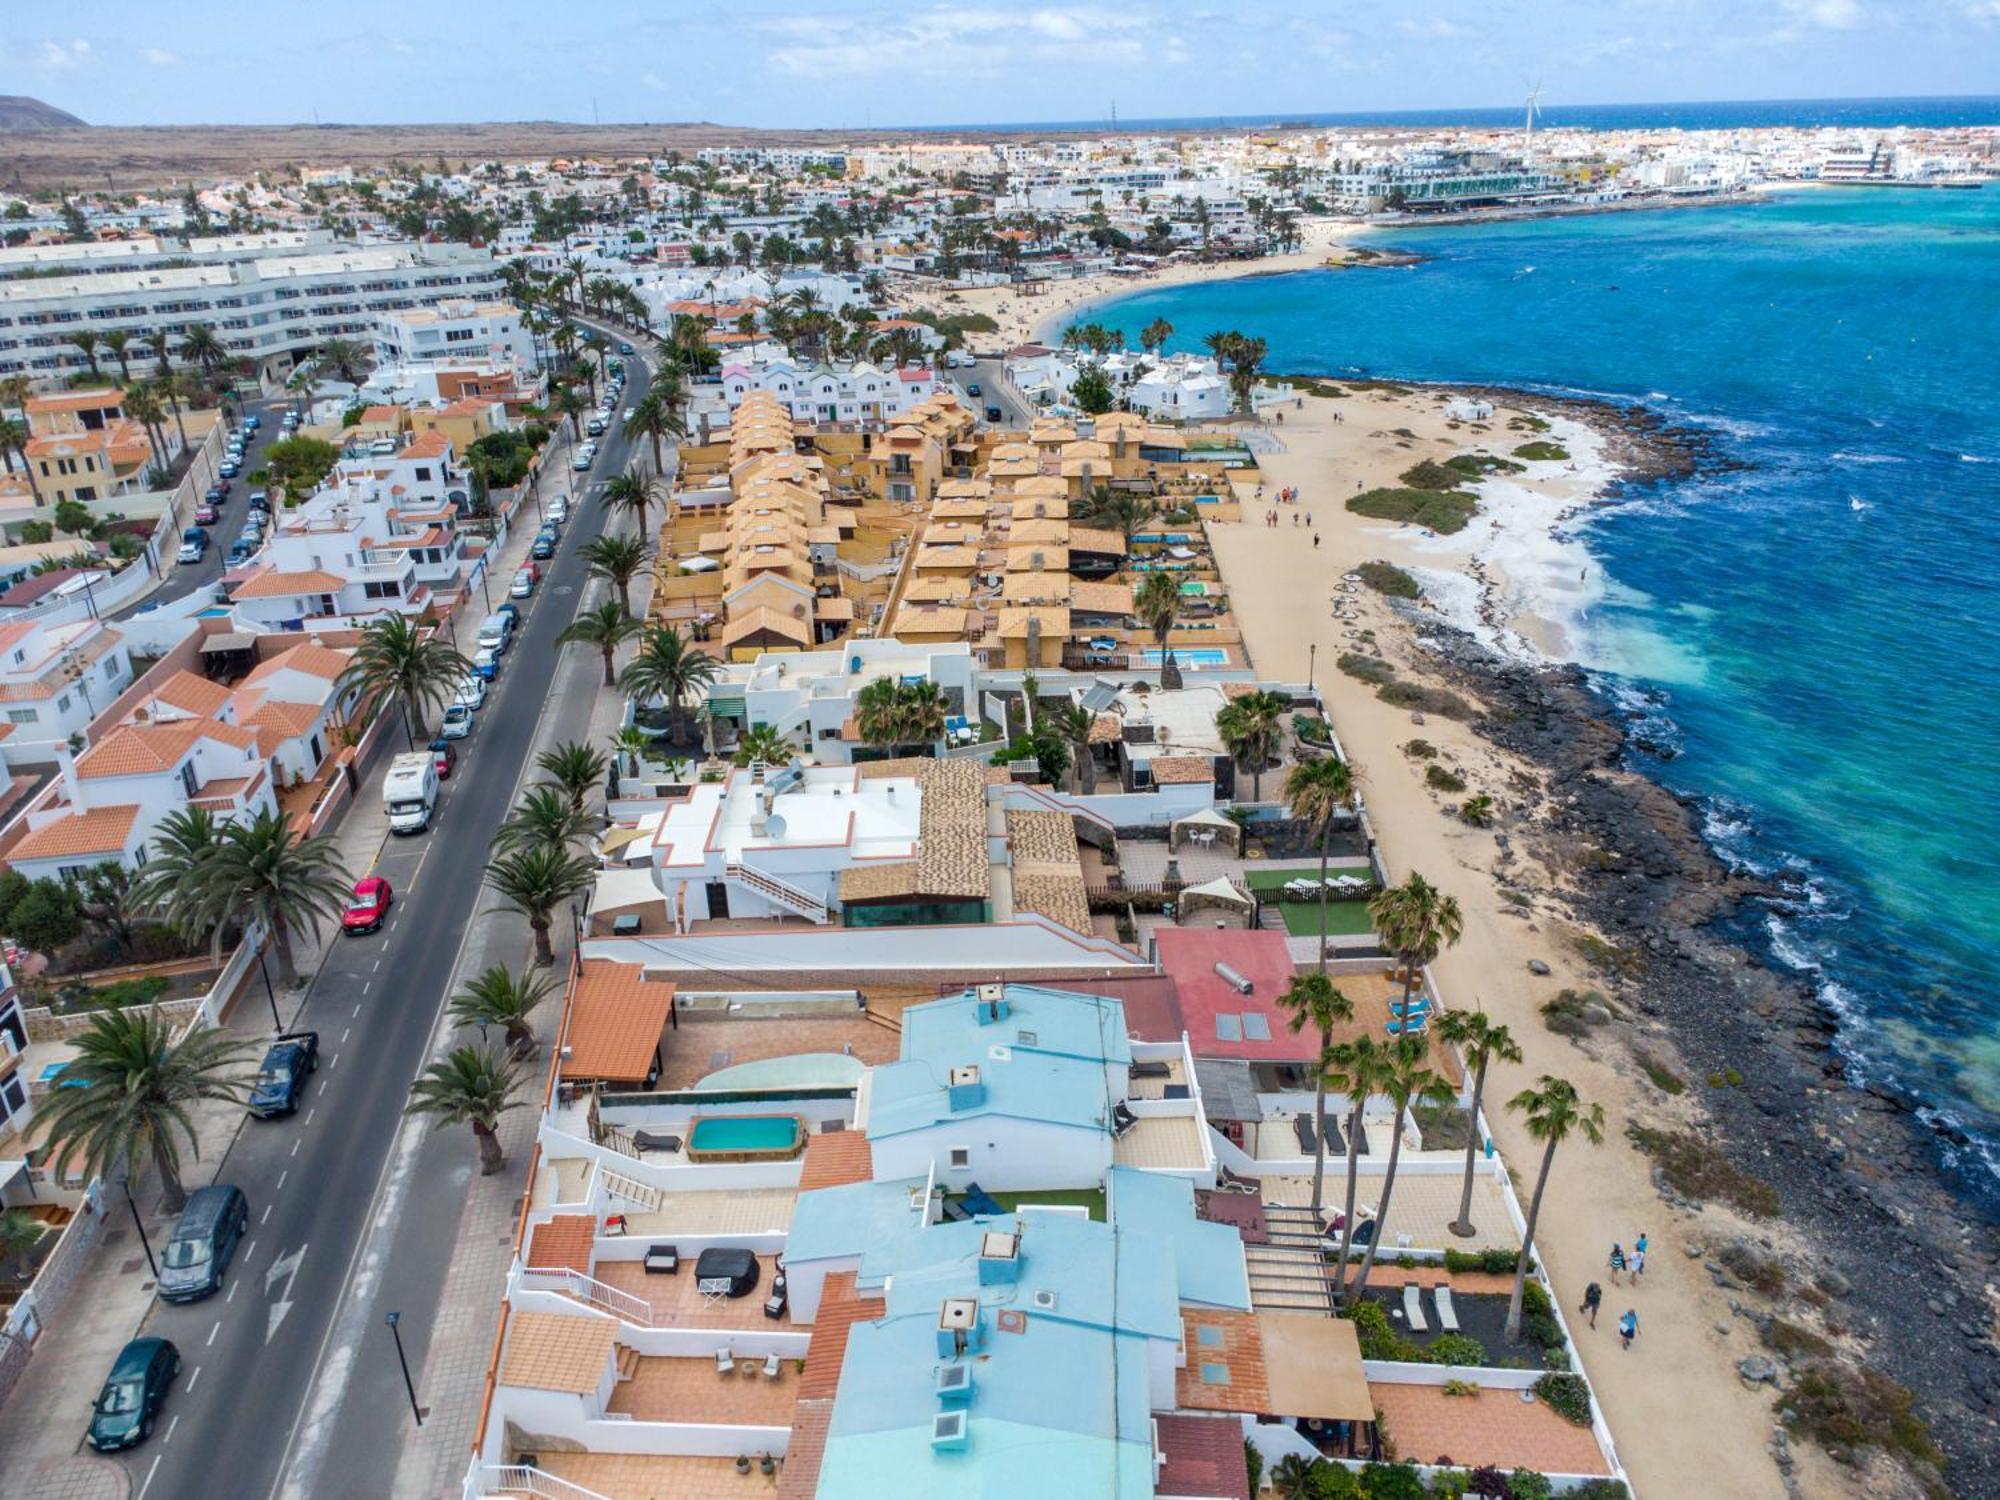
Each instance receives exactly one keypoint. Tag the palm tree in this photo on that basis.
(1155, 605)
(762, 742)
(1220, 345)
(569, 402)
(14, 438)
(20, 1232)
(119, 342)
(143, 407)
(1252, 728)
(1406, 1079)
(632, 491)
(1317, 791)
(534, 881)
(1311, 1000)
(397, 657)
(184, 838)
(1292, 1478)
(630, 744)
(1352, 1068)
(1153, 337)
(200, 344)
(545, 816)
(1418, 922)
(1074, 722)
(575, 767)
(1552, 1111)
(1121, 511)
(606, 627)
(1479, 1041)
(1244, 358)
(620, 559)
(264, 872)
(472, 1086)
(126, 1094)
(667, 668)
(173, 390)
(500, 997)
(87, 342)
(653, 418)
(344, 360)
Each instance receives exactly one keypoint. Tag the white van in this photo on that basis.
(557, 508)
(410, 791)
(494, 633)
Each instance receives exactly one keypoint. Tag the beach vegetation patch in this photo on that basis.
(1478, 465)
(1795, 1341)
(1527, 422)
(1574, 1012)
(1843, 1408)
(1477, 812)
(1663, 1078)
(1430, 700)
(1439, 779)
(1695, 1169)
(1420, 749)
(1429, 474)
(1387, 578)
(1443, 511)
(1542, 452)
(1604, 954)
(1566, 1395)
(1365, 668)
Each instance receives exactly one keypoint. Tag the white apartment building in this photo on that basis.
(54, 679)
(454, 328)
(810, 696)
(1176, 387)
(860, 392)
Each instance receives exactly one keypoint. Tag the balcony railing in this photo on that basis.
(524, 1479)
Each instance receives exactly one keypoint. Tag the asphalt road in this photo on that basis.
(986, 375)
(252, 1352)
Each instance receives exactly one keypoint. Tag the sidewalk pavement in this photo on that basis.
(42, 1422)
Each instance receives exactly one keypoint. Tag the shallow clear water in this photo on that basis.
(1817, 633)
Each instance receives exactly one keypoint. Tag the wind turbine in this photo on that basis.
(1528, 124)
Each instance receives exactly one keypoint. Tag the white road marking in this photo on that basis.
(343, 1036)
(295, 1148)
(332, 1060)
(249, 1249)
(194, 1377)
(378, 967)
(310, 1113)
(281, 1183)
(170, 1428)
(286, 1269)
(212, 1333)
(364, 990)
(266, 1217)
(365, 984)
(150, 1469)
(232, 1293)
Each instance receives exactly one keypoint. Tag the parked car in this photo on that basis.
(486, 663)
(192, 552)
(444, 756)
(214, 495)
(204, 1238)
(206, 514)
(368, 907)
(253, 421)
(240, 551)
(523, 585)
(543, 550)
(456, 724)
(534, 570)
(557, 509)
(471, 693)
(128, 1406)
(229, 468)
(260, 502)
(513, 611)
(282, 1075)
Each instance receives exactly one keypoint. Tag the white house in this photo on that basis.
(453, 329)
(54, 679)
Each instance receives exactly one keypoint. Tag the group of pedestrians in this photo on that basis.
(1289, 495)
(1632, 1266)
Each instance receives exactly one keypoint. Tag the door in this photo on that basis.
(718, 898)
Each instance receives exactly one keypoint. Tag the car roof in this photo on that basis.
(368, 884)
(136, 1355)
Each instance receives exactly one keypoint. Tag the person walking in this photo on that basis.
(1617, 1263)
(1592, 1296)
(1639, 1258)
(1628, 1328)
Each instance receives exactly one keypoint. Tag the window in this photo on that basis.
(1255, 1027)
(424, 475)
(389, 590)
(111, 666)
(961, 1158)
(62, 704)
(187, 778)
(1229, 1027)
(23, 716)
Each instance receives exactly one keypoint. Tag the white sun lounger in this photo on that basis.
(1413, 1308)
(724, 1362)
(1447, 1314)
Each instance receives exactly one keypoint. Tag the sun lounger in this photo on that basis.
(1235, 1182)
(646, 1141)
(1407, 1028)
(1329, 1129)
(1447, 1314)
(1360, 1139)
(1122, 1118)
(1308, 1141)
(771, 1366)
(1413, 1307)
(1152, 1070)
(725, 1363)
(955, 1213)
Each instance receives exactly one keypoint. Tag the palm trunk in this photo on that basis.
(544, 954)
(658, 462)
(1382, 1208)
(1409, 981)
(520, 1034)
(1319, 1130)
(281, 940)
(1462, 1225)
(679, 717)
(625, 598)
(491, 1158)
(414, 705)
(173, 1197)
(610, 678)
(1528, 1243)
(1325, 849)
(1347, 1216)
(179, 425)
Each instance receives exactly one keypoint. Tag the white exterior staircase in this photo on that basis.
(779, 892)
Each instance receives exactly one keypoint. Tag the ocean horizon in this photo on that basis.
(1811, 629)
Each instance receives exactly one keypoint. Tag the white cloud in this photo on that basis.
(60, 56)
(654, 82)
(402, 49)
(1436, 30)
(1984, 10)
(160, 57)
(976, 43)
(1833, 15)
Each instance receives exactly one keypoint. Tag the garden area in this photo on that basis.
(1346, 907)
(89, 950)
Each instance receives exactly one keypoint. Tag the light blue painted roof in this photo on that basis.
(908, 1096)
(1208, 1258)
(855, 1218)
(1058, 1022)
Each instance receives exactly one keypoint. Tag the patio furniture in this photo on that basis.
(775, 1304)
(1413, 1307)
(1308, 1138)
(1447, 1314)
(662, 1260)
(725, 1364)
(1407, 1028)
(736, 1271)
(1236, 1182)
(1151, 1070)
(646, 1141)
(1122, 1118)
(772, 1365)
(954, 1212)
(981, 1204)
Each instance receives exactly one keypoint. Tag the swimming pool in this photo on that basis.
(745, 1138)
(1191, 656)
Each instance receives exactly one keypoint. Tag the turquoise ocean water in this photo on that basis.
(1818, 632)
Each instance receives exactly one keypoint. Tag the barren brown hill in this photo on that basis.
(19, 112)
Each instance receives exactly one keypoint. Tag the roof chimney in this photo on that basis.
(1233, 979)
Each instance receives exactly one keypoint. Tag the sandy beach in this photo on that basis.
(1679, 1380)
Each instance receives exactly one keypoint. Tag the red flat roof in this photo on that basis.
(1221, 1022)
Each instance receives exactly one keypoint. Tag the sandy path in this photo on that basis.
(1682, 1421)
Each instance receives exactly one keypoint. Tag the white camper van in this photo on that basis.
(410, 792)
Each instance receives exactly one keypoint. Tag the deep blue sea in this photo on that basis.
(1818, 632)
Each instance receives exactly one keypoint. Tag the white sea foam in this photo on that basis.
(1865, 458)
(1975, 458)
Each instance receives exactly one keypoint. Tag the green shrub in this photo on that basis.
(1461, 1388)
(1477, 812)
(1457, 1349)
(1439, 779)
(1392, 1482)
(143, 990)
(1379, 1339)
(1526, 1484)
(1429, 700)
(1535, 1299)
(37, 532)
(1494, 1261)
(1601, 1489)
(1387, 578)
(1566, 1395)
(1841, 1407)
(1796, 1342)
(1254, 1462)
(1443, 511)
(1427, 474)
(1331, 1481)
(1663, 1078)
(1542, 452)
(1420, 749)
(1528, 423)
(1694, 1169)
(1476, 465)
(1365, 668)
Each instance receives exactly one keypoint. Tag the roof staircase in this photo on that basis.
(779, 892)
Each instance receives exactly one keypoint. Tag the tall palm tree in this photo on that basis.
(545, 815)
(1479, 1041)
(263, 871)
(183, 839)
(126, 1094)
(653, 418)
(200, 344)
(1155, 604)
(1312, 1000)
(1352, 1068)
(620, 559)
(1418, 921)
(762, 742)
(575, 767)
(632, 491)
(1317, 791)
(87, 342)
(1153, 337)
(14, 438)
(143, 407)
(500, 997)
(174, 390)
(568, 401)
(1407, 1079)
(343, 359)
(119, 342)
(1074, 722)
(1121, 511)
(1252, 726)
(471, 1086)
(668, 668)
(396, 657)
(14, 392)
(1552, 1111)
(606, 627)
(535, 880)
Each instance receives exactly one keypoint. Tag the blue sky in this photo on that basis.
(849, 64)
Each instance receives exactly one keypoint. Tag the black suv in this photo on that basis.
(281, 1077)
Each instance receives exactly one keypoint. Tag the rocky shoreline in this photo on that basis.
(1854, 1171)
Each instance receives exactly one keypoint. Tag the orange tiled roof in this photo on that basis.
(275, 584)
(311, 657)
(1231, 1343)
(836, 1160)
(839, 1310)
(289, 720)
(557, 1352)
(191, 694)
(141, 749)
(86, 400)
(433, 444)
(563, 1240)
(615, 1022)
(102, 830)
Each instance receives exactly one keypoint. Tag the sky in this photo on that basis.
(849, 64)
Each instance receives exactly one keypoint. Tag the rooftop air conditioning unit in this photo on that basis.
(958, 1313)
(948, 1430)
(991, 992)
(1043, 1300)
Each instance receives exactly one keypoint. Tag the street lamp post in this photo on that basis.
(394, 1320)
(269, 993)
(140, 1224)
(1312, 657)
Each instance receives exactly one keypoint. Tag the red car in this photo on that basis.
(444, 755)
(368, 906)
(206, 515)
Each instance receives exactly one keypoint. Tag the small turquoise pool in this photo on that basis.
(1191, 656)
(744, 1137)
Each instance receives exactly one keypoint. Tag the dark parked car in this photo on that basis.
(543, 550)
(281, 1077)
(206, 1236)
(240, 552)
(133, 1393)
